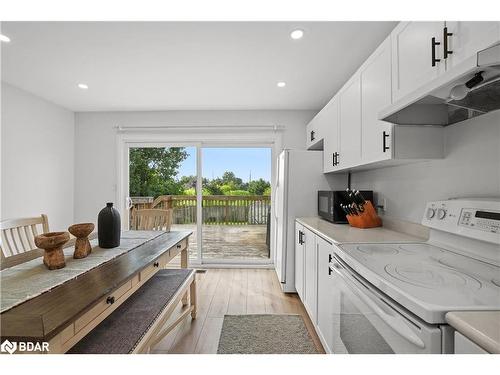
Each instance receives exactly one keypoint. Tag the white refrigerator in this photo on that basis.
(298, 179)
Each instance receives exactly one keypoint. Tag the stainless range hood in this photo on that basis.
(469, 90)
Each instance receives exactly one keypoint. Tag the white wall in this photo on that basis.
(95, 136)
(471, 168)
(37, 146)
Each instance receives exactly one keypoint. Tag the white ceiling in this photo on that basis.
(186, 65)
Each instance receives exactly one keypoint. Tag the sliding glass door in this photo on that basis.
(164, 179)
(236, 204)
(221, 194)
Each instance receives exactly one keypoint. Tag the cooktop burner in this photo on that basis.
(372, 250)
(432, 276)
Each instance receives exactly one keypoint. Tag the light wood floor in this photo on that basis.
(231, 291)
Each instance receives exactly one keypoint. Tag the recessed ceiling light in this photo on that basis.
(297, 34)
(281, 84)
(83, 86)
(4, 38)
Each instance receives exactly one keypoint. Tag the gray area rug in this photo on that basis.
(265, 334)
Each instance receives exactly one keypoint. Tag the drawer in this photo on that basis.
(154, 267)
(176, 249)
(102, 306)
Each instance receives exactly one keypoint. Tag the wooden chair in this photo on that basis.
(151, 219)
(17, 243)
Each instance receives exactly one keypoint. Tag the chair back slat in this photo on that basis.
(17, 243)
(151, 219)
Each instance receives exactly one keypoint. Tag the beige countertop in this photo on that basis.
(344, 233)
(482, 327)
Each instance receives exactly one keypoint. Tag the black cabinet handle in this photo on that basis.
(329, 258)
(179, 245)
(433, 49)
(329, 270)
(301, 237)
(156, 264)
(385, 135)
(333, 159)
(312, 135)
(110, 300)
(446, 51)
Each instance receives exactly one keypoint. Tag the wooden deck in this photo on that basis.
(231, 291)
(229, 241)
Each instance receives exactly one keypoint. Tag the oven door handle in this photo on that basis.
(389, 316)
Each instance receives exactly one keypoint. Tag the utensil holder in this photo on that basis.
(366, 219)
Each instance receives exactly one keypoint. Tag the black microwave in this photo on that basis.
(329, 202)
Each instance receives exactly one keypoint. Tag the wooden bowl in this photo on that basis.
(81, 230)
(52, 243)
(82, 243)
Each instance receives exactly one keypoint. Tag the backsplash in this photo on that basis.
(471, 168)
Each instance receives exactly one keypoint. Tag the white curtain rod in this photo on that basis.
(201, 127)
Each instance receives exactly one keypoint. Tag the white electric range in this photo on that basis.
(392, 298)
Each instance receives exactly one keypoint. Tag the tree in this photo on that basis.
(229, 178)
(257, 187)
(153, 171)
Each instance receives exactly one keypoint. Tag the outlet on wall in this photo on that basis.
(384, 205)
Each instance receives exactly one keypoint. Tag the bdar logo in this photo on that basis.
(9, 347)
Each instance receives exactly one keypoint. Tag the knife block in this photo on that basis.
(366, 219)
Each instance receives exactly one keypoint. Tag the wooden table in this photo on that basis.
(68, 312)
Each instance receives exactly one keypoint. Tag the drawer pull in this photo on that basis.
(110, 300)
(156, 264)
(179, 245)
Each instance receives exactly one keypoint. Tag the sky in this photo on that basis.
(241, 161)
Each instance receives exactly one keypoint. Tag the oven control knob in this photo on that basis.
(430, 213)
(441, 213)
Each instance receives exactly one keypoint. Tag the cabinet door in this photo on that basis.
(412, 55)
(331, 133)
(310, 275)
(314, 134)
(325, 294)
(468, 38)
(465, 346)
(376, 93)
(299, 260)
(350, 124)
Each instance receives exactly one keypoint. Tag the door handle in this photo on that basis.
(385, 135)
(446, 51)
(433, 51)
(312, 135)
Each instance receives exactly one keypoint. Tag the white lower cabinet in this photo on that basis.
(310, 274)
(325, 295)
(313, 282)
(299, 260)
(465, 346)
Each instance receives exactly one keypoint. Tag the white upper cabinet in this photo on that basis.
(376, 94)
(350, 123)
(416, 55)
(464, 39)
(314, 133)
(331, 132)
(348, 129)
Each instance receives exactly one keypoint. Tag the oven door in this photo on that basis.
(367, 322)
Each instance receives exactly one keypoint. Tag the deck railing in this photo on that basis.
(216, 209)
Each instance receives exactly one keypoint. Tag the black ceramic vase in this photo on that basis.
(108, 227)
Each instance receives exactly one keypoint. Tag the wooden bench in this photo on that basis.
(145, 317)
